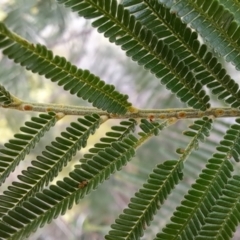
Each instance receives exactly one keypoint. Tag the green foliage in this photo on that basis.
(20, 146)
(118, 133)
(50, 163)
(147, 201)
(80, 82)
(214, 22)
(171, 40)
(233, 7)
(143, 47)
(58, 198)
(168, 27)
(5, 96)
(223, 219)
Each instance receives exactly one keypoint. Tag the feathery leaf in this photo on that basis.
(56, 200)
(147, 201)
(142, 46)
(214, 23)
(5, 96)
(184, 42)
(224, 217)
(80, 82)
(46, 167)
(20, 146)
(190, 216)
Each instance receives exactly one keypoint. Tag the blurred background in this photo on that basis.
(67, 35)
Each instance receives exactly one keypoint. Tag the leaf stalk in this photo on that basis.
(151, 114)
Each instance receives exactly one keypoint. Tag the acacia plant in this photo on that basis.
(177, 42)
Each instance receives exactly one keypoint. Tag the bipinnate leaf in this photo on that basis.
(56, 200)
(214, 22)
(144, 205)
(204, 65)
(222, 221)
(38, 59)
(177, 41)
(48, 165)
(188, 218)
(142, 46)
(52, 202)
(16, 149)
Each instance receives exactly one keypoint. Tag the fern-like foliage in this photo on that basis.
(50, 163)
(144, 47)
(62, 196)
(147, 201)
(169, 27)
(214, 22)
(224, 217)
(81, 181)
(117, 134)
(177, 41)
(143, 207)
(5, 96)
(80, 82)
(51, 203)
(20, 146)
(190, 216)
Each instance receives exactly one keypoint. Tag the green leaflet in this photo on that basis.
(142, 208)
(118, 133)
(20, 146)
(214, 23)
(188, 218)
(169, 27)
(81, 181)
(40, 60)
(144, 205)
(233, 6)
(47, 166)
(224, 217)
(5, 96)
(143, 46)
(56, 200)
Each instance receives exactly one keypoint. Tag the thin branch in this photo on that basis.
(151, 114)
